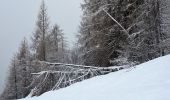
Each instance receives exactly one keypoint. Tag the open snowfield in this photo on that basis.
(148, 81)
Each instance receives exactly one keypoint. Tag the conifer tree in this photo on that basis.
(39, 36)
(19, 71)
(54, 41)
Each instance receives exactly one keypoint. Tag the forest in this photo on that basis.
(112, 34)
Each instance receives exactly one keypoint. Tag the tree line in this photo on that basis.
(47, 44)
(115, 31)
(111, 33)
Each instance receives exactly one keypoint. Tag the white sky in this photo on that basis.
(18, 17)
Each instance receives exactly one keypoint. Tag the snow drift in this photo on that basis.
(148, 81)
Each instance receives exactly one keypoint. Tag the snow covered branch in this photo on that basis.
(62, 75)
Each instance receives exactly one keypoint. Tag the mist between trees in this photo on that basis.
(111, 33)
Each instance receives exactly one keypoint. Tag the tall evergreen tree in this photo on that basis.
(18, 78)
(39, 37)
(11, 89)
(23, 68)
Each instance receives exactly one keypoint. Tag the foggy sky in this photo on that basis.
(18, 17)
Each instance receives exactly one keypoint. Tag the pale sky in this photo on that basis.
(18, 17)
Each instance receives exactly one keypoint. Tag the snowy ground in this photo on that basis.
(148, 81)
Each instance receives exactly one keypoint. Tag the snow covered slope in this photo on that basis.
(148, 81)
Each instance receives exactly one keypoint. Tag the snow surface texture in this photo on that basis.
(148, 81)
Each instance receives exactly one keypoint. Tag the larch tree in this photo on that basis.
(18, 78)
(93, 33)
(54, 41)
(39, 36)
(11, 89)
(23, 68)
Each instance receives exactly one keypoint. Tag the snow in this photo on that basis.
(148, 81)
